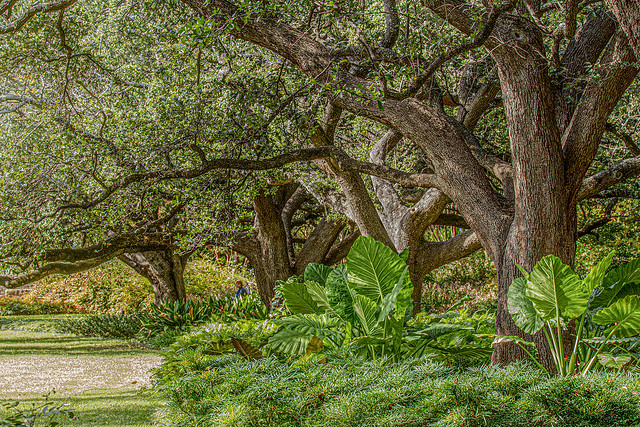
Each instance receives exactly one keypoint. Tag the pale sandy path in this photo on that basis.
(71, 365)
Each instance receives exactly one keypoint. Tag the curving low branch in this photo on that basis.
(74, 260)
(33, 11)
(620, 172)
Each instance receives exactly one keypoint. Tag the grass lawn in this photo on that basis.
(26, 343)
(103, 407)
(36, 323)
(105, 382)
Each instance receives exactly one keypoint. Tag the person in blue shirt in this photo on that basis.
(241, 289)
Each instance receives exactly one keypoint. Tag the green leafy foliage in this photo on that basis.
(553, 294)
(366, 299)
(455, 337)
(350, 392)
(317, 273)
(521, 308)
(618, 283)
(181, 315)
(298, 298)
(120, 326)
(232, 309)
(555, 290)
(373, 269)
(623, 316)
(363, 305)
(178, 315)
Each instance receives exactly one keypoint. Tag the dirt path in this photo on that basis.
(39, 362)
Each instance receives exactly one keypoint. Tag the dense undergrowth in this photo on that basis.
(230, 391)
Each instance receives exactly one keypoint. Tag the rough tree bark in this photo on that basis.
(165, 271)
(270, 248)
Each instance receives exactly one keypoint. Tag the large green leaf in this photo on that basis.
(623, 315)
(554, 288)
(317, 273)
(596, 275)
(373, 269)
(290, 342)
(618, 283)
(521, 308)
(298, 299)
(366, 313)
(338, 293)
(389, 301)
(324, 326)
(319, 296)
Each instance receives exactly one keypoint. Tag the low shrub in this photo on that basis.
(119, 326)
(177, 315)
(197, 348)
(230, 309)
(229, 390)
(182, 315)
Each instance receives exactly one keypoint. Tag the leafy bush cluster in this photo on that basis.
(181, 315)
(606, 306)
(364, 305)
(119, 326)
(229, 390)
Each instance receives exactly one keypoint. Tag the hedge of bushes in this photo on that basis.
(232, 391)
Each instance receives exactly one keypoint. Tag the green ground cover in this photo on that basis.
(231, 391)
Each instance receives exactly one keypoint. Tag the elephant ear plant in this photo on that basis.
(606, 306)
(362, 303)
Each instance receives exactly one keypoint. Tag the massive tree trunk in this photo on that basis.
(628, 14)
(163, 269)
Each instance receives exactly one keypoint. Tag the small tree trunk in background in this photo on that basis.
(163, 269)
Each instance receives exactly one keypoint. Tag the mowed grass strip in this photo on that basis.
(104, 407)
(24, 343)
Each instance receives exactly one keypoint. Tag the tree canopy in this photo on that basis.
(271, 127)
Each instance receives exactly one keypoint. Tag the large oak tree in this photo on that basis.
(556, 71)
